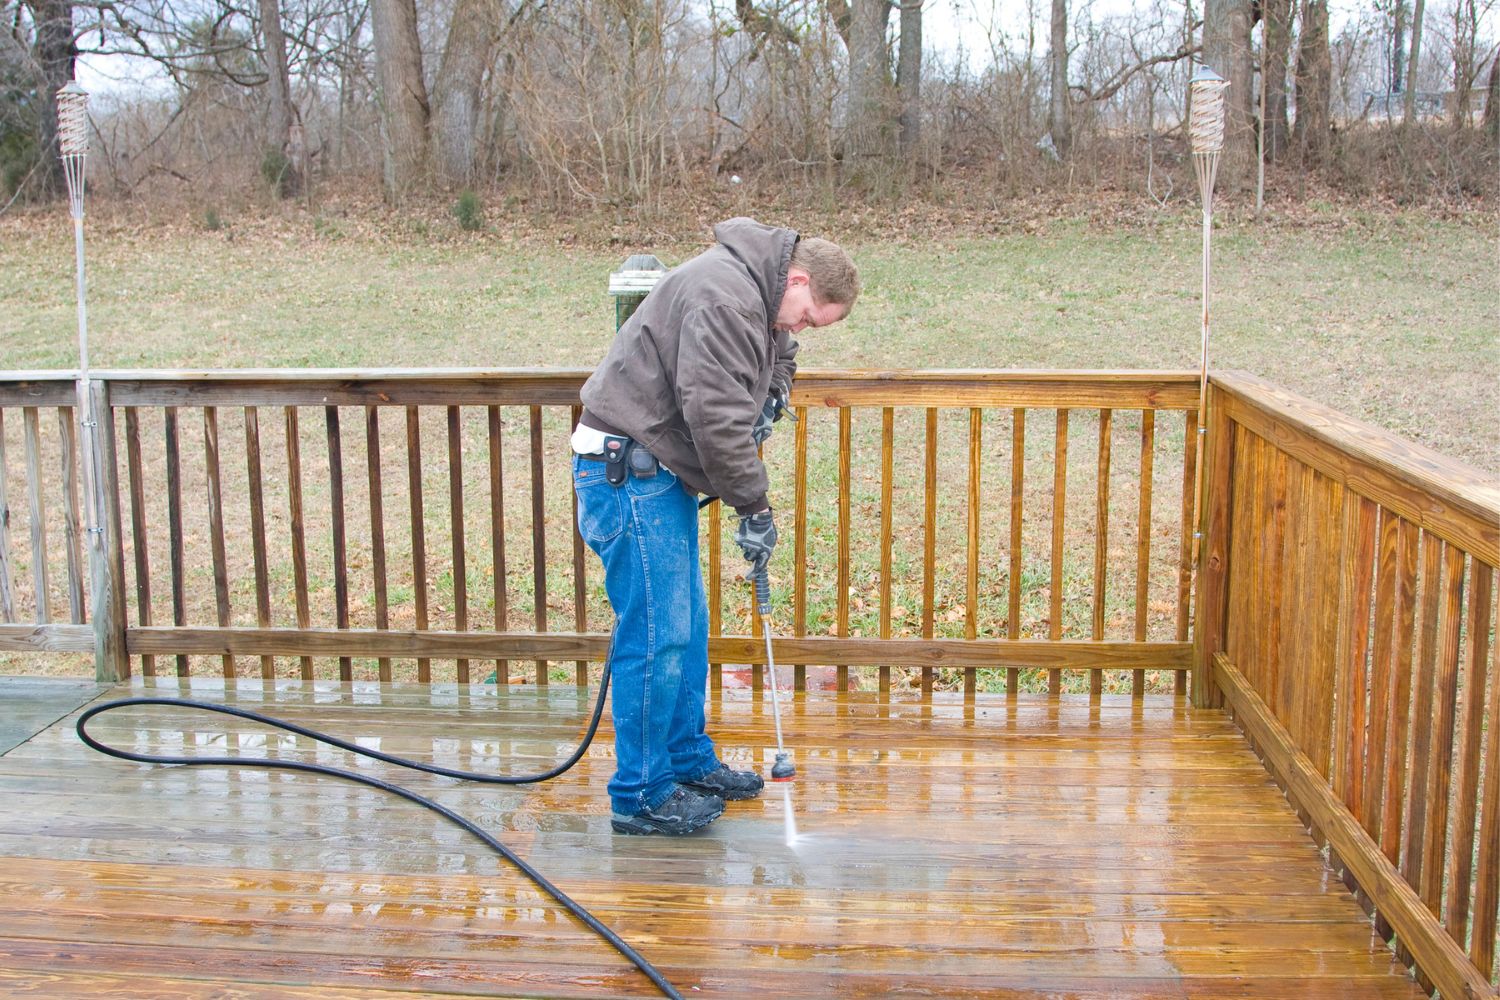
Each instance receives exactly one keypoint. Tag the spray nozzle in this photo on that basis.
(783, 769)
(762, 580)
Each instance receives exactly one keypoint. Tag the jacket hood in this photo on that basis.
(765, 251)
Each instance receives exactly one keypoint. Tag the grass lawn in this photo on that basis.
(1390, 318)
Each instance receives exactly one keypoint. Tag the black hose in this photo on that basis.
(582, 914)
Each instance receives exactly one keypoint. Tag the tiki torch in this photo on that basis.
(1206, 134)
(73, 143)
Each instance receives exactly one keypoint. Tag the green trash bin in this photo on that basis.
(629, 285)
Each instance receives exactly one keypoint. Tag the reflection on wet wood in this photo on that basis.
(1000, 848)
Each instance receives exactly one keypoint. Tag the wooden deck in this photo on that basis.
(1004, 850)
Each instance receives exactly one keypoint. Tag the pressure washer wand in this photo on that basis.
(783, 769)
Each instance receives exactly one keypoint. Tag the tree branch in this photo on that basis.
(1124, 74)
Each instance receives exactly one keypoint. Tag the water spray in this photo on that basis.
(783, 769)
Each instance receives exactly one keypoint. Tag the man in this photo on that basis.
(687, 392)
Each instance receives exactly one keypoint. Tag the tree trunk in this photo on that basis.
(1226, 50)
(283, 113)
(909, 76)
(869, 79)
(1410, 112)
(1277, 28)
(1492, 104)
(1058, 122)
(457, 90)
(403, 94)
(1311, 134)
(1398, 50)
(54, 54)
(1465, 31)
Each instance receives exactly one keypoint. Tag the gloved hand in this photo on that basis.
(756, 538)
(773, 411)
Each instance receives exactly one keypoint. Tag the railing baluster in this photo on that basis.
(1059, 509)
(887, 435)
(377, 532)
(1185, 554)
(971, 588)
(136, 477)
(1101, 541)
(497, 536)
(580, 575)
(216, 525)
(1487, 882)
(258, 532)
(1398, 727)
(1380, 677)
(799, 555)
(538, 536)
(715, 588)
(1143, 544)
(929, 540)
(1017, 477)
(7, 589)
(111, 621)
(842, 602)
(299, 534)
(1413, 848)
(1461, 858)
(456, 532)
(1444, 724)
(418, 531)
(1352, 647)
(39, 577)
(174, 527)
(67, 437)
(340, 537)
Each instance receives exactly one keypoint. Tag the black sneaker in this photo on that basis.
(727, 784)
(684, 811)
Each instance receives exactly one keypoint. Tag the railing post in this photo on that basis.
(1213, 550)
(106, 547)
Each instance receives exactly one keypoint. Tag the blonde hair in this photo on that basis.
(830, 272)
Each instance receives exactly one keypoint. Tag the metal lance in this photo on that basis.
(1206, 135)
(73, 144)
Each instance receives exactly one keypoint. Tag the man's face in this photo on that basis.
(798, 310)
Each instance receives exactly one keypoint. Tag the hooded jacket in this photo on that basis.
(690, 371)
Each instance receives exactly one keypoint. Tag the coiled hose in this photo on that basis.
(592, 922)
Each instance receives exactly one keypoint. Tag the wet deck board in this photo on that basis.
(29, 705)
(1004, 849)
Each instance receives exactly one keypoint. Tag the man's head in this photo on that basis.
(821, 286)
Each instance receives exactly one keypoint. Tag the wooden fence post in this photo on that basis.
(106, 544)
(1213, 550)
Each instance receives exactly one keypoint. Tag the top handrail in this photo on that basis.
(1448, 497)
(559, 386)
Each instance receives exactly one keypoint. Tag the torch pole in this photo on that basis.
(72, 118)
(1206, 135)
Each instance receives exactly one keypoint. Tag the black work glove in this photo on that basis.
(756, 538)
(773, 411)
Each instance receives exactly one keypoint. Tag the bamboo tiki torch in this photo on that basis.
(73, 143)
(1206, 134)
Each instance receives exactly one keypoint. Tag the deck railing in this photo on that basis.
(929, 523)
(1347, 608)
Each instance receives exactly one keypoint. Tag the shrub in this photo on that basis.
(469, 212)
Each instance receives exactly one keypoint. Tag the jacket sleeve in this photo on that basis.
(719, 356)
(785, 367)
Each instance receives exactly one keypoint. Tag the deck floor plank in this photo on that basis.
(1003, 849)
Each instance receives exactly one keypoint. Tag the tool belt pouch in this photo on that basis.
(615, 450)
(643, 464)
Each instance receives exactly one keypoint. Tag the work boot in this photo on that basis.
(727, 784)
(684, 811)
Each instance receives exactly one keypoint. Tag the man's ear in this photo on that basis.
(796, 278)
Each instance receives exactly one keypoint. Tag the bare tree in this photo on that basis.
(909, 76)
(1276, 39)
(403, 95)
(288, 177)
(1492, 103)
(1312, 131)
(869, 111)
(1398, 47)
(457, 92)
(53, 56)
(1409, 113)
(1226, 50)
(1057, 107)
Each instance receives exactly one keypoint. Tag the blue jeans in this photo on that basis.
(646, 533)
